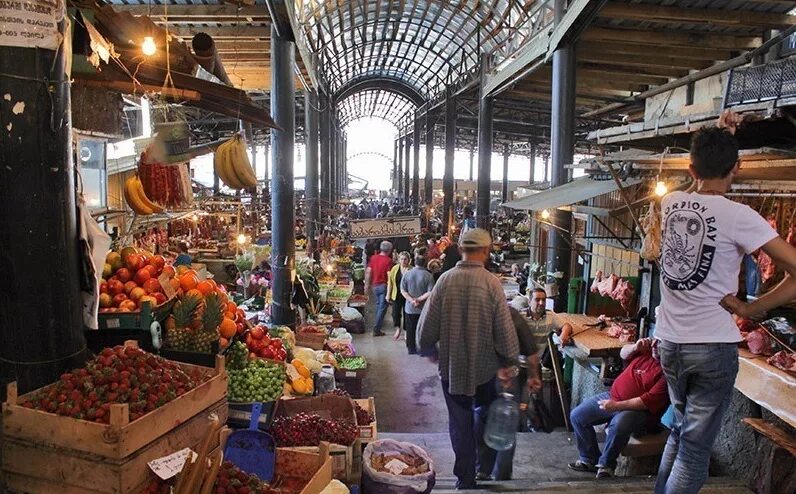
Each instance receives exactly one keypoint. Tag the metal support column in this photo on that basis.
(485, 138)
(450, 148)
(562, 132)
(532, 147)
(504, 191)
(416, 169)
(333, 150)
(400, 177)
(472, 162)
(395, 165)
(283, 238)
(428, 180)
(311, 180)
(267, 168)
(325, 148)
(344, 168)
(407, 168)
(41, 308)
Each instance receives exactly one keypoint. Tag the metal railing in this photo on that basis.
(769, 81)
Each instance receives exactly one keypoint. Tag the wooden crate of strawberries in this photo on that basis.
(41, 447)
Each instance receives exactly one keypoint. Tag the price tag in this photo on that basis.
(112, 323)
(396, 466)
(350, 374)
(169, 466)
(168, 290)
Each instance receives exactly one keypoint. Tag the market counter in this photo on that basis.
(593, 342)
(766, 385)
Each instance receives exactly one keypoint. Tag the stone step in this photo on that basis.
(634, 485)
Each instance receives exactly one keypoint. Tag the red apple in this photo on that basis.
(169, 270)
(124, 275)
(115, 287)
(134, 262)
(158, 261)
(137, 293)
(105, 300)
(153, 271)
(152, 285)
(141, 276)
(118, 299)
(147, 298)
(129, 286)
(160, 298)
(104, 287)
(127, 306)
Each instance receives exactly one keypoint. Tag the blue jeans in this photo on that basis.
(466, 420)
(380, 292)
(621, 425)
(701, 378)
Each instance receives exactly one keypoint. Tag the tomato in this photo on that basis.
(276, 343)
(281, 354)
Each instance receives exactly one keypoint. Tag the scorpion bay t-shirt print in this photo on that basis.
(704, 240)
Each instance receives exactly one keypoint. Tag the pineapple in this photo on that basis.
(180, 338)
(211, 318)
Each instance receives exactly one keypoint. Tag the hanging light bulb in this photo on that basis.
(148, 47)
(661, 189)
(545, 214)
(241, 239)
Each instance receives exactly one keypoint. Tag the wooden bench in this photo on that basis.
(642, 455)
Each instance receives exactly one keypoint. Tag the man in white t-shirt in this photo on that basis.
(705, 237)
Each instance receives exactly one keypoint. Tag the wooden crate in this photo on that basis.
(368, 432)
(120, 438)
(313, 341)
(343, 459)
(32, 468)
(311, 469)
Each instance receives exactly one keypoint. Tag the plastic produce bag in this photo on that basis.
(335, 487)
(374, 481)
(350, 314)
(341, 335)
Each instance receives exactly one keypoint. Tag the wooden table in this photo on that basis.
(592, 341)
(767, 386)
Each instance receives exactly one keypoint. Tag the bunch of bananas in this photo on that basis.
(232, 164)
(136, 197)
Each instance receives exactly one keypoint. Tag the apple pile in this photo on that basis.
(260, 344)
(130, 278)
(117, 375)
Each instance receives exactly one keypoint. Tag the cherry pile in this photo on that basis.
(309, 429)
(117, 375)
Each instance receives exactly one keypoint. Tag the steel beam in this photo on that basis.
(428, 181)
(472, 160)
(532, 149)
(450, 148)
(283, 239)
(416, 169)
(400, 177)
(395, 165)
(562, 133)
(485, 138)
(311, 180)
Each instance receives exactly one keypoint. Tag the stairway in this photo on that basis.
(633, 485)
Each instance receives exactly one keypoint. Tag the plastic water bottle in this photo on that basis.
(501, 423)
(326, 383)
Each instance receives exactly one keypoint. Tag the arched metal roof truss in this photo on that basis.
(388, 105)
(425, 44)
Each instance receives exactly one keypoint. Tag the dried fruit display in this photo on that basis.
(309, 429)
(409, 464)
(117, 375)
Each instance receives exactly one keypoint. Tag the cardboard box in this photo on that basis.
(368, 432)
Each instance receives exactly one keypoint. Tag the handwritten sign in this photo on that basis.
(169, 466)
(385, 227)
(31, 23)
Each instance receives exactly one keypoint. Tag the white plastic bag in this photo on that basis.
(335, 487)
(417, 483)
(350, 314)
(94, 245)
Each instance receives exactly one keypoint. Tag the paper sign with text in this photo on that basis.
(169, 466)
(404, 226)
(31, 23)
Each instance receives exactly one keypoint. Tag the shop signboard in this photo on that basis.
(31, 23)
(403, 226)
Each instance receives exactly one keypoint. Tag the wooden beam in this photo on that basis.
(773, 433)
(691, 53)
(221, 11)
(620, 75)
(621, 70)
(223, 32)
(128, 87)
(542, 96)
(673, 38)
(595, 55)
(678, 15)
